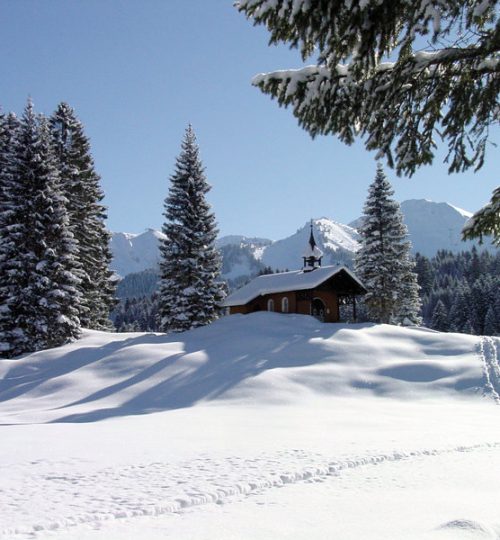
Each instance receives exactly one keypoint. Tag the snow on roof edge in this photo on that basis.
(252, 290)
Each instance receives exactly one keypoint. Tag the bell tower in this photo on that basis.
(312, 255)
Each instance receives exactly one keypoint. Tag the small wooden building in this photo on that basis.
(315, 290)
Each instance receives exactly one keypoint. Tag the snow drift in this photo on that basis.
(260, 358)
(264, 426)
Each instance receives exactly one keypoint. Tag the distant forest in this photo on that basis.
(461, 292)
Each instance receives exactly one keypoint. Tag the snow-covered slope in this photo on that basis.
(241, 257)
(256, 427)
(135, 252)
(255, 245)
(434, 226)
(263, 357)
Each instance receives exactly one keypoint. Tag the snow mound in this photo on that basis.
(264, 358)
(473, 529)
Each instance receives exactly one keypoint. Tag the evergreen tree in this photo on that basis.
(490, 323)
(440, 317)
(480, 302)
(485, 221)
(468, 328)
(4, 155)
(7, 133)
(460, 308)
(5, 160)
(496, 307)
(467, 284)
(408, 304)
(474, 268)
(189, 293)
(383, 262)
(38, 270)
(80, 184)
(425, 274)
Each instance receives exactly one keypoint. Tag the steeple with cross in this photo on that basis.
(312, 255)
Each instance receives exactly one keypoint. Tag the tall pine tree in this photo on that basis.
(383, 262)
(189, 292)
(80, 184)
(38, 271)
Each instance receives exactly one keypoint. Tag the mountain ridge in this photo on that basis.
(432, 226)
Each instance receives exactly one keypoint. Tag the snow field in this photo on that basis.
(153, 489)
(48, 493)
(262, 358)
(265, 426)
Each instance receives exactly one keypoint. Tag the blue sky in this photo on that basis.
(137, 72)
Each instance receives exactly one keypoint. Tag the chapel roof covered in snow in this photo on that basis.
(297, 280)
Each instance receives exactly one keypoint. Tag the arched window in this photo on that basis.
(284, 304)
(270, 305)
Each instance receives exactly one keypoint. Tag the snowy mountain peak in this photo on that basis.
(441, 209)
(336, 235)
(464, 213)
(135, 252)
(434, 226)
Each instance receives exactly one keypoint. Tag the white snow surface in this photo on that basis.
(256, 427)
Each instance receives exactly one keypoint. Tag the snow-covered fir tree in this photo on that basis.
(440, 317)
(408, 303)
(80, 184)
(490, 322)
(189, 292)
(485, 221)
(38, 271)
(459, 314)
(5, 135)
(383, 262)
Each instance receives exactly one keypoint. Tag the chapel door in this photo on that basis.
(318, 309)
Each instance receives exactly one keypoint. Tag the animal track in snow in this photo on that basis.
(160, 488)
(488, 352)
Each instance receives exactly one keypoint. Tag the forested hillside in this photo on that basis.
(461, 292)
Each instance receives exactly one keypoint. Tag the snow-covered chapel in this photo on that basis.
(314, 290)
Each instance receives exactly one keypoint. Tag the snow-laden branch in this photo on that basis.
(399, 105)
(486, 221)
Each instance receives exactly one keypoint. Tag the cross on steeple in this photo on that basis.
(312, 255)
